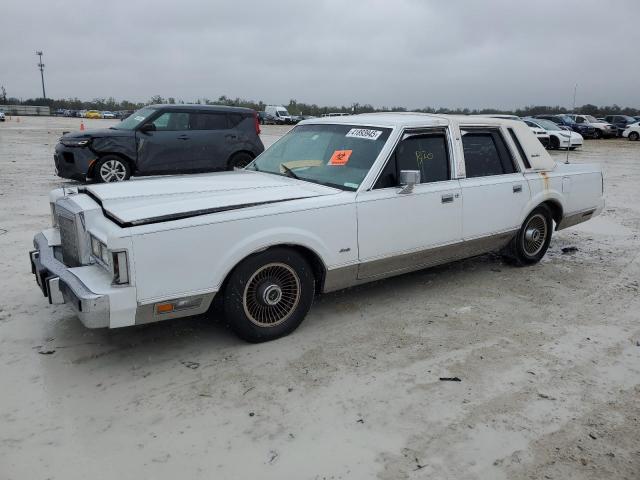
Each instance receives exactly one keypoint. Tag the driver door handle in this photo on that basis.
(447, 198)
(183, 137)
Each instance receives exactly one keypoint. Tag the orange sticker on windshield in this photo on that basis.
(340, 157)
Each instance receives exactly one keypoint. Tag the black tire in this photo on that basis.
(597, 135)
(634, 136)
(240, 160)
(554, 143)
(268, 294)
(111, 169)
(528, 247)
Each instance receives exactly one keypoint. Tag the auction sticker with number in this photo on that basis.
(340, 157)
(364, 133)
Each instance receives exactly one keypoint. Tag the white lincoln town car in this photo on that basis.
(334, 203)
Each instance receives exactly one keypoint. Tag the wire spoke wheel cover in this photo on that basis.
(535, 234)
(271, 294)
(113, 171)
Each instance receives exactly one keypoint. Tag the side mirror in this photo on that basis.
(408, 179)
(147, 127)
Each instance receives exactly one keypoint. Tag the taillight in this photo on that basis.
(255, 117)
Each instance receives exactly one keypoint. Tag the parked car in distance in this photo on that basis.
(586, 131)
(93, 114)
(162, 139)
(541, 134)
(336, 202)
(559, 136)
(621, 122)
(632, 132)
(280, 114)
(2, 117)
(122, 114)
(266, 118)
(603, 129)
(82, 113)
(107, 114)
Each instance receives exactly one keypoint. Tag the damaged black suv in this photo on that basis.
(162, 139)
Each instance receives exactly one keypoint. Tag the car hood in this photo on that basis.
(100, 133)
(142, 202)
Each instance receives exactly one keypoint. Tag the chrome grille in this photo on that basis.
(69, 239)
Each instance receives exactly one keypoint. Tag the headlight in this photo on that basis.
(117, 262)
(54, 219)
(99, 250)
(120, 268)
(75, 142)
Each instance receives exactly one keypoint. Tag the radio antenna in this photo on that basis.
(573, 109)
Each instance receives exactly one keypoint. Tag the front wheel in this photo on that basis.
(240, 160)
(268, 295)
(111, 169)
(597, 135)
(532, 241)
(634, 136)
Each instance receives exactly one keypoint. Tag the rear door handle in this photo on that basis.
(183, 137)
(517, 188)
(447, 198)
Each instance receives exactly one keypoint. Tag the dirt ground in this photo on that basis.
(548, 357)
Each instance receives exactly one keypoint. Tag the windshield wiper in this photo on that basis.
(289, 172)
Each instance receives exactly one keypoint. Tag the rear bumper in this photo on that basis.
(59, 285)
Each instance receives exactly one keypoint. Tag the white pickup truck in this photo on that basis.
(335, 203)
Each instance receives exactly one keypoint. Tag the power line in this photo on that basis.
(41, 65)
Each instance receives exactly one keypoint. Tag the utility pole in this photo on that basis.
(41, 65)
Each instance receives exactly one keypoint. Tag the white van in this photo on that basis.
(279, 113)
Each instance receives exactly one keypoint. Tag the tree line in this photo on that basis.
(301, 108)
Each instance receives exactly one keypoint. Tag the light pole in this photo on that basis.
(41, 65)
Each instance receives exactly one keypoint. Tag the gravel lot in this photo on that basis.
(548, 357)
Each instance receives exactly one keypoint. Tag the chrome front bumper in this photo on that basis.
(59, 285)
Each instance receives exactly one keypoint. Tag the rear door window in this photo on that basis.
(485, 153)
(425, 152)
(208, 121)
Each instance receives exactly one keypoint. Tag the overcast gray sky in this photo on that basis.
(412, 53)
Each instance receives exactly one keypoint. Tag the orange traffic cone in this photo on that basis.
(81, 125)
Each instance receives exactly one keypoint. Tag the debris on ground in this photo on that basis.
(191, 365)
(572, 249)
(450, 379)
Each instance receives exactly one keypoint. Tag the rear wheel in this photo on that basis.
(111, 169)
(533, 238)
(268, 295)
(634, 136)
(240, 160)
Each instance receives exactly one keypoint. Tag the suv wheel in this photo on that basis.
(268, 295)
(634, 136)
(240, 160)
(597, 134)
(111, 169)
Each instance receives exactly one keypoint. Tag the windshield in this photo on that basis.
(283, 113)
(135, 119)
(339, 156)
(591, 119)
(547, 124)
(567, 119)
